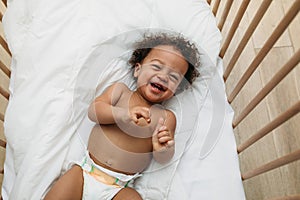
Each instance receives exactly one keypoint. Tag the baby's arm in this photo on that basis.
(105, 110)
(163, 138)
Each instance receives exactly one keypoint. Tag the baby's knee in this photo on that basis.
(128, 194)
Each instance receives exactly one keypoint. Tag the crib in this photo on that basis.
(260, 50)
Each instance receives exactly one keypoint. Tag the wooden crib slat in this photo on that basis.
(273, 165)
(293, 197)
(5, 2)
(289, 113)
(208, 1)
(277, 78)
(2, 9)
(4, 45)
(225, 14)
(234, 26)
(4, 93)
(281, 27)
(1, 117)
(250, 30)
(216, 7)
(2, 143)
(5, 69)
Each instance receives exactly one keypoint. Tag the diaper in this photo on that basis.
(101, 183)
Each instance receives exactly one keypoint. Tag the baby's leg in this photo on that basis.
(68, 187)
(128, 194)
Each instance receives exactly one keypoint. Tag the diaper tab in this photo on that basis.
(105, 178)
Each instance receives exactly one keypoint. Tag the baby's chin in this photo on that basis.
(160, 100)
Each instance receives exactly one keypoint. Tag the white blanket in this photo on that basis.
(63, 49)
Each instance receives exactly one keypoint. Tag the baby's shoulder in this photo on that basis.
(119, 86)
(159, 111)
(170, 115)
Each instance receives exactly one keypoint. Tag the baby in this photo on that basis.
(131, 126)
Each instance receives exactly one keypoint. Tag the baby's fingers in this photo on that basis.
(144, 113)
(170, 143)
(164, 136)
(164, 139)
(140, 112)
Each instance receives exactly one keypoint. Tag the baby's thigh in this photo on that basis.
(128, 194)
(68, 186)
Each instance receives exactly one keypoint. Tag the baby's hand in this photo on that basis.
(139, 115)
(162, 138)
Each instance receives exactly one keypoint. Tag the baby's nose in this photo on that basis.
(163, 77)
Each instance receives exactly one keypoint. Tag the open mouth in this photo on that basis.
(159, 87)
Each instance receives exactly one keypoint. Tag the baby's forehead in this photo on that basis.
(169, 57)
(170, 49)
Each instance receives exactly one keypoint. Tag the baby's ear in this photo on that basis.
(137, 69)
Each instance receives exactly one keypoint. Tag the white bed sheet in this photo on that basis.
(54, 46)
(210, 162)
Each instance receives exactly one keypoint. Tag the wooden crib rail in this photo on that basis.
(1, 117)
(272, 165)
(2, 143)
(5, 2)
(292, 111)
(251, 28)
(233, 28)
(293, 197)
(225, 14)
(278, 77)
(4, 92)
(284, 23)
(4, 68)
(5, 57)
(216, 6)
(4, 45)
(264, 93)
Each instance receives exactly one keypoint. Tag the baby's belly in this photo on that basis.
(115, 150)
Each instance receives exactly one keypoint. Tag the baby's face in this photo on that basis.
(160, 73)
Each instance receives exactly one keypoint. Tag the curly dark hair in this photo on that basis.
(184, 46)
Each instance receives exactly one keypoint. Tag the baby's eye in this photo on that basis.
(156, 67)
(174, 77)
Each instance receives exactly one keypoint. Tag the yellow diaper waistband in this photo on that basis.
(105, 178)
